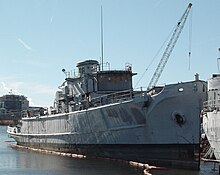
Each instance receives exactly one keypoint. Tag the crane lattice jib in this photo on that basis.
(169, 48)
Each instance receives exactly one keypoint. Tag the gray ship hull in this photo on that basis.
(163, 129)
(184, 156)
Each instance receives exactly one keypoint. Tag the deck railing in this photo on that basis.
(114, 98)
(110, 98)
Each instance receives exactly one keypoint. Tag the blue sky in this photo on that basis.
(38, 38)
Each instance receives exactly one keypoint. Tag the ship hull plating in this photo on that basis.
(184, 156)
(211, 115)
(211, 128)
(162, 129)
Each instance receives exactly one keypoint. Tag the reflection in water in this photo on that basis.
(16, 161)
(25, 162)
(59, 164)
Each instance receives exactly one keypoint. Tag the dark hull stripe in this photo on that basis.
(184, 156)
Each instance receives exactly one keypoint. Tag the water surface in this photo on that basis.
(25, 162)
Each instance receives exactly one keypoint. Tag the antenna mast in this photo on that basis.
(218, 60)
(102, 54)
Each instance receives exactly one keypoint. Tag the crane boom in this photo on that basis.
(169, 48)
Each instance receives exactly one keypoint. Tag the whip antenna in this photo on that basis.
(102, 52)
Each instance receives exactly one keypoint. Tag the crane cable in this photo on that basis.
(190, 38)
(161, 47)
(190, 47)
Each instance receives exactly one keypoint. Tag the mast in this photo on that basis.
(218, 59)
(102, 52)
